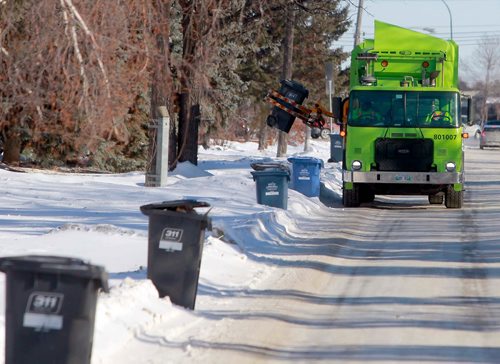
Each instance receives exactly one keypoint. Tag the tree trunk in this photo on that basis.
(287, 71)
(187, 137)
(486, 91)
(160, 94)
(188, 133)
(172, 143)
(12, 146)
(263, 133)
(156, 101)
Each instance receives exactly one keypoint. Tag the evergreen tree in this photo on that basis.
(318, 25)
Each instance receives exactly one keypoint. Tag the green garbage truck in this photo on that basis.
(403, 119)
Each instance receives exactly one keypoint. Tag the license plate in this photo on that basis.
(403, 178)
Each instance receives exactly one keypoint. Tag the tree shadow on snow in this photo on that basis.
(364, 353)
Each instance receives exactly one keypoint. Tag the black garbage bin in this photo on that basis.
(279, 118)
(50, 308)
(336, 148)
(175, 245)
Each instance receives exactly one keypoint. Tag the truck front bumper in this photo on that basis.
(431, 178)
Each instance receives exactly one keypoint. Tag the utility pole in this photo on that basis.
(329, 87)
(287, 70)
(357, 33)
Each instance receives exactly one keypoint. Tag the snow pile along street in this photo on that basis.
(97, 218)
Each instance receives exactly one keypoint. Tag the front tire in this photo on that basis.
(453, 199)
(351, 198)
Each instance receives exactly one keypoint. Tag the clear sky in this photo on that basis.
(472, 20)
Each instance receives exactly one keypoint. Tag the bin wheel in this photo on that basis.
(453, 199)
(351, 198)
(315, 133)
(436, 199)
(325, 133)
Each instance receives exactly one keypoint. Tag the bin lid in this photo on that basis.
(262, 166)
(304, 159)
(270, 173)
(294, 85)
(175, 206)
(57, 265)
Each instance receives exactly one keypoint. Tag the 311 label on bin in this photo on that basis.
(42, 311)
(304, 175)
(272, 189)
(170, 239)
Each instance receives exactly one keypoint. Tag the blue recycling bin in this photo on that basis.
(272, 187)
(305, 175)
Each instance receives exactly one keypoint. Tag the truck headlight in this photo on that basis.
(451, 167)
(356, 165)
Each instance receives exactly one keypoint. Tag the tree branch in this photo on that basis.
(76, 16)
(78, 54)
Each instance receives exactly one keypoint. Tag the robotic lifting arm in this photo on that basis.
(313, 117)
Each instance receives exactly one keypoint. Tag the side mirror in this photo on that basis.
(468, 113)
(337, 107)
(345, 111)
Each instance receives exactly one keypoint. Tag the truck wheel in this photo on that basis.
(351, 198)
(453, 199)
(436, 199)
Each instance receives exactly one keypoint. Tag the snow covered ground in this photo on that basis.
(97, 218)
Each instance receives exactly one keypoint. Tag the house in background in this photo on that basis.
(493, 106)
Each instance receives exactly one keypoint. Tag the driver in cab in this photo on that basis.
(438, 116)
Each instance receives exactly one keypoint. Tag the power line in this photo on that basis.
(423, 28)
(439, 35)
(463, 36)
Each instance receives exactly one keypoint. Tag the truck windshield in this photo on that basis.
(430, 109)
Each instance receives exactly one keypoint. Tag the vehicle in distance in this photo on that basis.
(490, 134)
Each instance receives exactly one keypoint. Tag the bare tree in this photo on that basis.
(69, 74)
(73, 72)
(485, 67)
